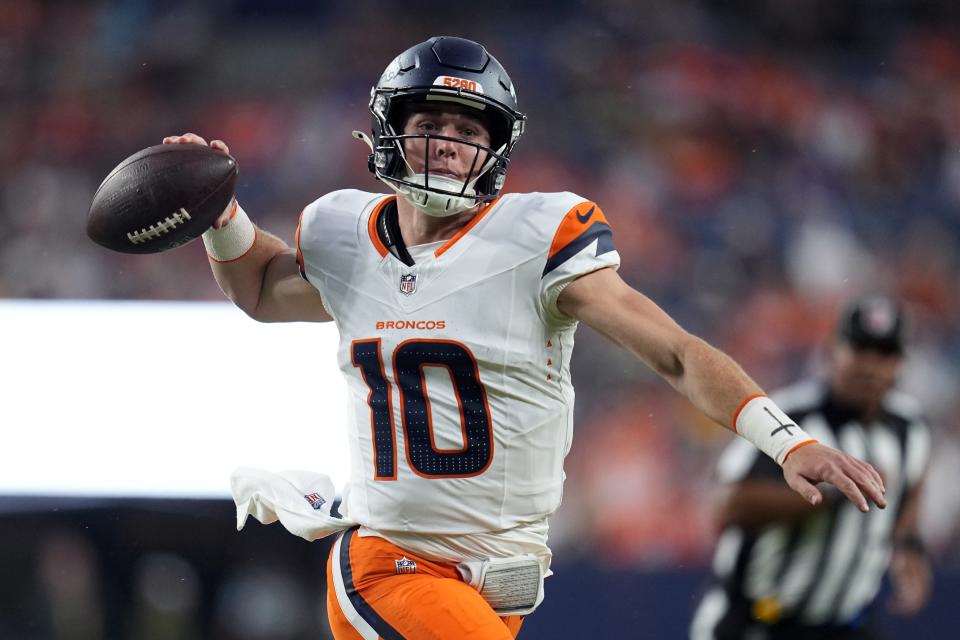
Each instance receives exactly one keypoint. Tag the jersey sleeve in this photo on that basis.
(582, 244)
(305, 226)
(296, 244)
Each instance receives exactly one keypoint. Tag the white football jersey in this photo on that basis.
(458, 370)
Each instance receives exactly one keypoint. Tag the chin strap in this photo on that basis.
(438, 205)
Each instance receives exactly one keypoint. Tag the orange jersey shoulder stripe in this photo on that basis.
(577, 220)
(584, 225)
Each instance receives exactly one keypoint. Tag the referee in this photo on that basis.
(786, 570)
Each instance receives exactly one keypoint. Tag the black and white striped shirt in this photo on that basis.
(828, 567)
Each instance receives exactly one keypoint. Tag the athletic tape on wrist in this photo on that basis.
(232, 241)
(761, 421)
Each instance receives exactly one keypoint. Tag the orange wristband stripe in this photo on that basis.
(797, 446)
(736, 414)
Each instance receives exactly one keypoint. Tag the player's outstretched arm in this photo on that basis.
(264, 279)
(712, 381)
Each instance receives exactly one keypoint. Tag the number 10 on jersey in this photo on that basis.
(410, 358)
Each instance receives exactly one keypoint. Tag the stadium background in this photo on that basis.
(759, 161)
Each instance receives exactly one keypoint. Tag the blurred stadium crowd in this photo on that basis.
(758, 164)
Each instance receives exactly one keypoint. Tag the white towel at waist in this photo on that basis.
(301, 500)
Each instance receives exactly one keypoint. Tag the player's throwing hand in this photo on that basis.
(192, 138)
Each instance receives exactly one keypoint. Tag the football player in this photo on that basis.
(456, 307)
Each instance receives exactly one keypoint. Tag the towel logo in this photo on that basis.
(316, 500)
(405, 565)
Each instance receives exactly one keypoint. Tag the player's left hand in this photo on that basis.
(814, 463)
(912, 581)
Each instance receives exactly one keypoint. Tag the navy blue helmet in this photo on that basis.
(454, 71)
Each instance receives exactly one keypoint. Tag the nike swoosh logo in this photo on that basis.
(584, 217)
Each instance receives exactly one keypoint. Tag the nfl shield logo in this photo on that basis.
(316, 500)
(408, 283)
(405, 565)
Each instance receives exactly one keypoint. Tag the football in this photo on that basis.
(161, 197)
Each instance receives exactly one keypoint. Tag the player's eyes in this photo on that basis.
(428, 126)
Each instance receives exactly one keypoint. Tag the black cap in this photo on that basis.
(873, 322)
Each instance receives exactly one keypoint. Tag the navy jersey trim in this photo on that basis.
(599, 231)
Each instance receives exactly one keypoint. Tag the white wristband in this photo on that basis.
(232, 241)
(761, 421)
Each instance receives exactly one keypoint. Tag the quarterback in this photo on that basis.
(456, 307)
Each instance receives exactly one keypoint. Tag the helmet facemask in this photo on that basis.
(434, 193)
